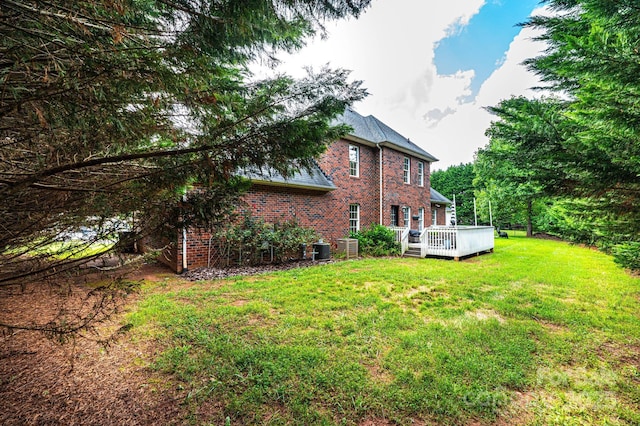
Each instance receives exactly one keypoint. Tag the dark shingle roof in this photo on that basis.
(307, 179)
(372, 130)
(437, 197)
(368, 129)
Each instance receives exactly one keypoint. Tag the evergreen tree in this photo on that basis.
(586, 147)
(525, 161)
(458, 181)
(112, 108)
(593, 59)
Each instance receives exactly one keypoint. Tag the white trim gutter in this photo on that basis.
(380, 177)
(184, 242)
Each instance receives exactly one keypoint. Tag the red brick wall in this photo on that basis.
(398, 193)
(441, 215)
(307, 207)
(199, 251)
(362, 190)
(328, 212)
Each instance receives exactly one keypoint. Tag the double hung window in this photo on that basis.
(407, 170)
(354, 161)
(406, 212)
(395, 212)
(354, 217)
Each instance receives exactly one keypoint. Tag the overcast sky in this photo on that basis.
(432, 66)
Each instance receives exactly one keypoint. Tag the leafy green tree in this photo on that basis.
(584, 148)
(521, 164)
(458, 181)
(109, 109)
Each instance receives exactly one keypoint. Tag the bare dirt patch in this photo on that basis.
(80, 382)
(621, 354)
(83, 381)
(379, 374)
(552, 327)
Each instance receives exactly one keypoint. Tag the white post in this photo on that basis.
(490, 215)
(454, 215)
(185, 264)
(475, 212)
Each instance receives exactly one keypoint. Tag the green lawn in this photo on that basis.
(539, 332)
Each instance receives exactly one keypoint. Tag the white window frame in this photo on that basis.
(434, 216)
(354, 161)
(395, 215)
(406, 216)
(420, 173)
(407, 170)
(354, 217)
(420, 219)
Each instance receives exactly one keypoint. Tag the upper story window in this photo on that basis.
(354, 161)
(420, 173)
(407, 170)
(354, 217)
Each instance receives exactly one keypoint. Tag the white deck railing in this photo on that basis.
(423, 242)
(402, 237)
(449, 241)
(458, 241)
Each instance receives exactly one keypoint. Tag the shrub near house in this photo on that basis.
(253, 241)
(377, 240)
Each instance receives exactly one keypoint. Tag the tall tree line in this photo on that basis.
(457, 181)
(578, 152)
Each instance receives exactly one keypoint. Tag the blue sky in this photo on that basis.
(481, 45)
(432, 68)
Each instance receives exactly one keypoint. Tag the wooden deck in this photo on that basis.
(447, 241)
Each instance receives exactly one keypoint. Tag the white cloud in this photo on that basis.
(391, 48)
(458, 136)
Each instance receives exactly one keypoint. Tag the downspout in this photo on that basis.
(184, 241)
(380, 175)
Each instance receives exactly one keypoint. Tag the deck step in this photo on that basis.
(412, 252)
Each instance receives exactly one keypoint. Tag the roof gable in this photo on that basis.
(437, 197)
(372, 130)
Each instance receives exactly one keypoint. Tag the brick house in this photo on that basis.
(373, 175)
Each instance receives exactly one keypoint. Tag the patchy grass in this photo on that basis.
(73, 249)
(540, 332)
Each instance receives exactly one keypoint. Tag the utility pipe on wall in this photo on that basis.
(184, 241)
(380, 173)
